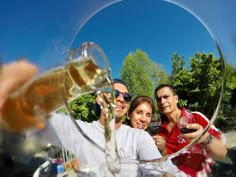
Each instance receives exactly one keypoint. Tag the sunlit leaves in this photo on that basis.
(83, 108)
(142, 74)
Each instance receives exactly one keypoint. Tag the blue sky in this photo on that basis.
(43, 31)
(158, 28)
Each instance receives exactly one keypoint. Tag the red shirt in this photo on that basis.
(196, 159)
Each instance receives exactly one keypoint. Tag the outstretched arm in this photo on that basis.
(216, 147)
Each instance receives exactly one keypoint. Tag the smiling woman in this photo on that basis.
(140, 112)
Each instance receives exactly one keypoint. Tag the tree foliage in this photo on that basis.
(180, 78)
(200, 84)
(228, 121)
(141, 74)
(83, 107)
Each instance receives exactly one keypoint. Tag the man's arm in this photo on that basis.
(60, 131)
(217, 149)
(214, 146)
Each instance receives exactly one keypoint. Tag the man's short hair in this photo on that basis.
(117, 80)
(165, 85)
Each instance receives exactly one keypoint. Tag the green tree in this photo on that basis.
(200, 84)
(180, 78)
(141, 74)
(228, 120)
(83, 107)
(207, 82)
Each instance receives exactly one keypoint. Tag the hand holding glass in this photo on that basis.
(86, 71)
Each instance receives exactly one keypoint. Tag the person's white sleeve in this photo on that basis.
(59, 131)
(148, 149)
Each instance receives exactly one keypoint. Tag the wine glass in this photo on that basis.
(87, 70)
(155, 125)
(185, 119)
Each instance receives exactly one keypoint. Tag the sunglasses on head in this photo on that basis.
(127, 97)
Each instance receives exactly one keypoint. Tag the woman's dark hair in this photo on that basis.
(136, 102)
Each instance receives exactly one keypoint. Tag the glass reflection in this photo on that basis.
(226, 50)
(212, 109)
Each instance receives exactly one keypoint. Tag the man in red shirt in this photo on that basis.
(197, 159)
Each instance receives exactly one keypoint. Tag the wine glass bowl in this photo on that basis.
(29, 106)
(185, 119)
(154, 126)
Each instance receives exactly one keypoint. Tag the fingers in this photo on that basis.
(159, 138)
(13, 76)
(159, 141)
(104, 100)
(199, 130)
(76, 164)
(194, 126)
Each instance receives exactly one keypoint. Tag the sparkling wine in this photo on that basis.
(32, 104)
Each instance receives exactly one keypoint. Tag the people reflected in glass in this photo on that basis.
(196, 161)
(132, 144)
